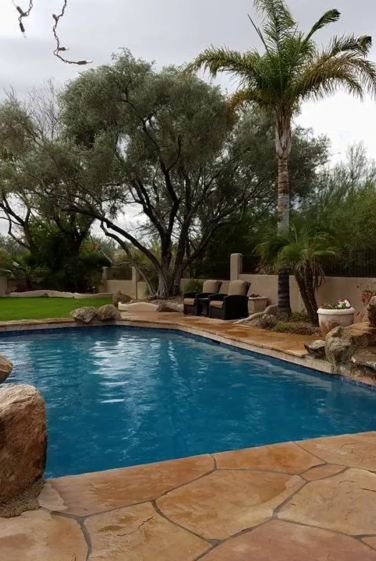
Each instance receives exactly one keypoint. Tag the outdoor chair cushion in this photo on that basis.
(210, 287)
(217, 304)
(237, 288)
(189, 301)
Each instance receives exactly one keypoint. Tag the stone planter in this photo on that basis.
(257, 304)
(329, 319)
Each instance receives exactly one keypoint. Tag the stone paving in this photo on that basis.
(306, 501)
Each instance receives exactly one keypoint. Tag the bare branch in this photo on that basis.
(59, 48)
(23, 14)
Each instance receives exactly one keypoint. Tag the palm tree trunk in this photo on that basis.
(283, 148)
(283, 208)
(306, 286)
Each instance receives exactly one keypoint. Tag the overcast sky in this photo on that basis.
(175, 31)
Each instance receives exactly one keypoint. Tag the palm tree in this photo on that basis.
(302, 251)
(292, 69)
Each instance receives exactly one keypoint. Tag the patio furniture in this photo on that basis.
(195, 303)
(233, 305)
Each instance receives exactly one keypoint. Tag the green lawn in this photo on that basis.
(41, 308)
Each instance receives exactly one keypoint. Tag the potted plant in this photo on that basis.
(340, 313)
(257, 303)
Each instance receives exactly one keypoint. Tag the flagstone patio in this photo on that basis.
(312, 500)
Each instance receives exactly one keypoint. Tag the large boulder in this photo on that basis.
(108, 313)
(316, 349)
(6, 368)
(120, 297)
(342, 343)
(23, 440)
(84, 315)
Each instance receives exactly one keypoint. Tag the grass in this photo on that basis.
(42, 308)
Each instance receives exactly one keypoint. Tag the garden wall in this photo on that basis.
(332, 289)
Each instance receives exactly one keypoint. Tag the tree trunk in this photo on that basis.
(164, 289)
(283, 149)
(307, 292)
(284, 307)
(311, 292)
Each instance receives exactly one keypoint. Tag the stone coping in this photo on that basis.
(282, 346)
(293, 501)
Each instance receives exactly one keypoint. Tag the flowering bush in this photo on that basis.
(340, 305)
(367, 294)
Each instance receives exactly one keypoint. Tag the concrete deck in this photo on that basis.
(312, 501)
(283, 346)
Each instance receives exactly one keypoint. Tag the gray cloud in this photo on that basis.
(174, 31)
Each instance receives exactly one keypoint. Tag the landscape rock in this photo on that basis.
(170, 307)
(120, 297)
(316, 349)
(138, 307)
(23, 440)
(108, 313)
(6, 367)
(371, 311)
(343, 342)
(85, 314)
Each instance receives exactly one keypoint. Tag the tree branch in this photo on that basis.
(58, 49)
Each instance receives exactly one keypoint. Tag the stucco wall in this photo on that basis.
(125, 286)
(332, 289)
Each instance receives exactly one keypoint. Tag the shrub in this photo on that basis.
(296, 327)
(194, 285)
(268, 322)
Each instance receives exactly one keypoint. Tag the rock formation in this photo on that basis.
(108, 313)
(23, 440)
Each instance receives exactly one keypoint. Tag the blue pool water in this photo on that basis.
(120, 396)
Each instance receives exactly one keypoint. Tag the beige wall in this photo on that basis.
(130, 287)
(124, 286)
(332, 289)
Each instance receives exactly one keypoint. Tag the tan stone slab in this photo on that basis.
(353, 450)
(286, 457)
(371, 541)
(97, 492)
(344, 503)
(138, 533)
(321, 472)
(41, 536)
(225, 502)
(284, 342)
(282, 541)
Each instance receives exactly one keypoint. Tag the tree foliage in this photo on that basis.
(301, 249)
(290, 70)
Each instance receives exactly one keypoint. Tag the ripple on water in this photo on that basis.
(118, 397)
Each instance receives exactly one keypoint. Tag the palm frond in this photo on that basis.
(327, 74)
(352, 43)
(329, 17)
(247, 97)
(214, 60)
(278, 21)
(297, 248)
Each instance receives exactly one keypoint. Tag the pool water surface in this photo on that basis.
(118, 397)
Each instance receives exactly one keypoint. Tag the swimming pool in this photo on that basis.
(117, 397)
